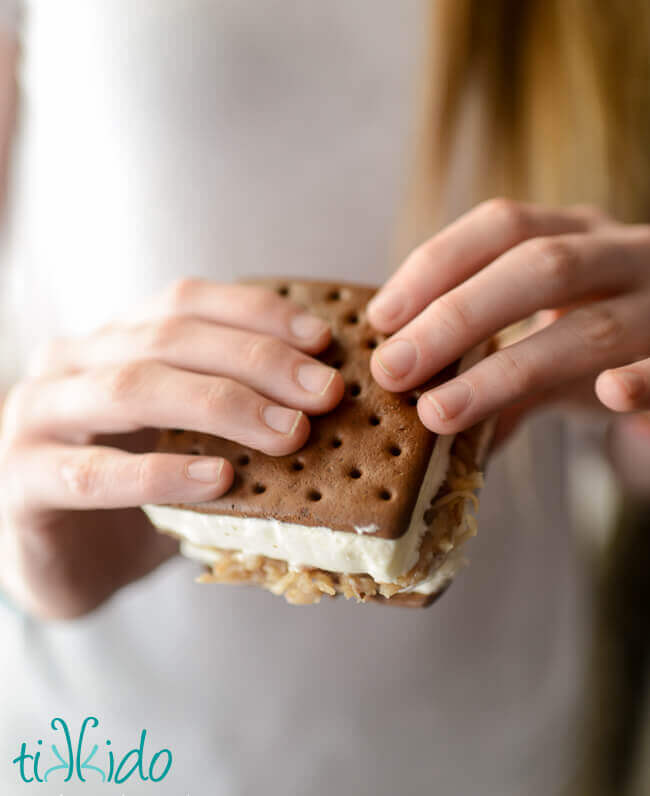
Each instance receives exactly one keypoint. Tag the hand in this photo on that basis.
(498, 264)
(229, 360)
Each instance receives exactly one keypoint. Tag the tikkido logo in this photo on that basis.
(78, 759)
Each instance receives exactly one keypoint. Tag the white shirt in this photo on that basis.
(160, 138)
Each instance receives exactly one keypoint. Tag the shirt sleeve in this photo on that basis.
(11, 14)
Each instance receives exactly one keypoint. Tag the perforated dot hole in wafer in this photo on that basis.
(363, 463)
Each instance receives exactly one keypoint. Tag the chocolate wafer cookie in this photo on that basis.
(374, 506)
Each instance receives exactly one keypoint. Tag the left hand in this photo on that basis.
(499, 264)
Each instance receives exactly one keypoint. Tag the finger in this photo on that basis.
(625, 389)
(581, 343)
(262, 362)
(147, 393)
(252, 307)
(61, 477)
(463, 248)
(537, 274)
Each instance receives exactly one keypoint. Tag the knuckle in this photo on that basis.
(181, 292)
(262, 350)
(454, 314)
(598, 327)
(509, 215)
(125, 379)
(164, 333)
(554, 260)
(513, 372)
(83, 475)
(147, 475)
(218, 395)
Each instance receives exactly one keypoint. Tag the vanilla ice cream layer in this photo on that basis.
(316, 546)
(312, 546)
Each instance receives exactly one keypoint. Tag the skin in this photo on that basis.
(75, 458)
(75, 436)
(585, 275)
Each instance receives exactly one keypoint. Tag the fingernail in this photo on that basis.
(307, 326)
(387, 306)
(397, 358)
(206, 470)
(632, 383)
(281, 419)
(315, 378)
(451, 399)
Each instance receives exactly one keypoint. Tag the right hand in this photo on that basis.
(229, 360)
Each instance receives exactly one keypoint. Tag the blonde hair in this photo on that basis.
(564, 88)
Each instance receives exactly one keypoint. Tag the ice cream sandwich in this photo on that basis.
(373, 507)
